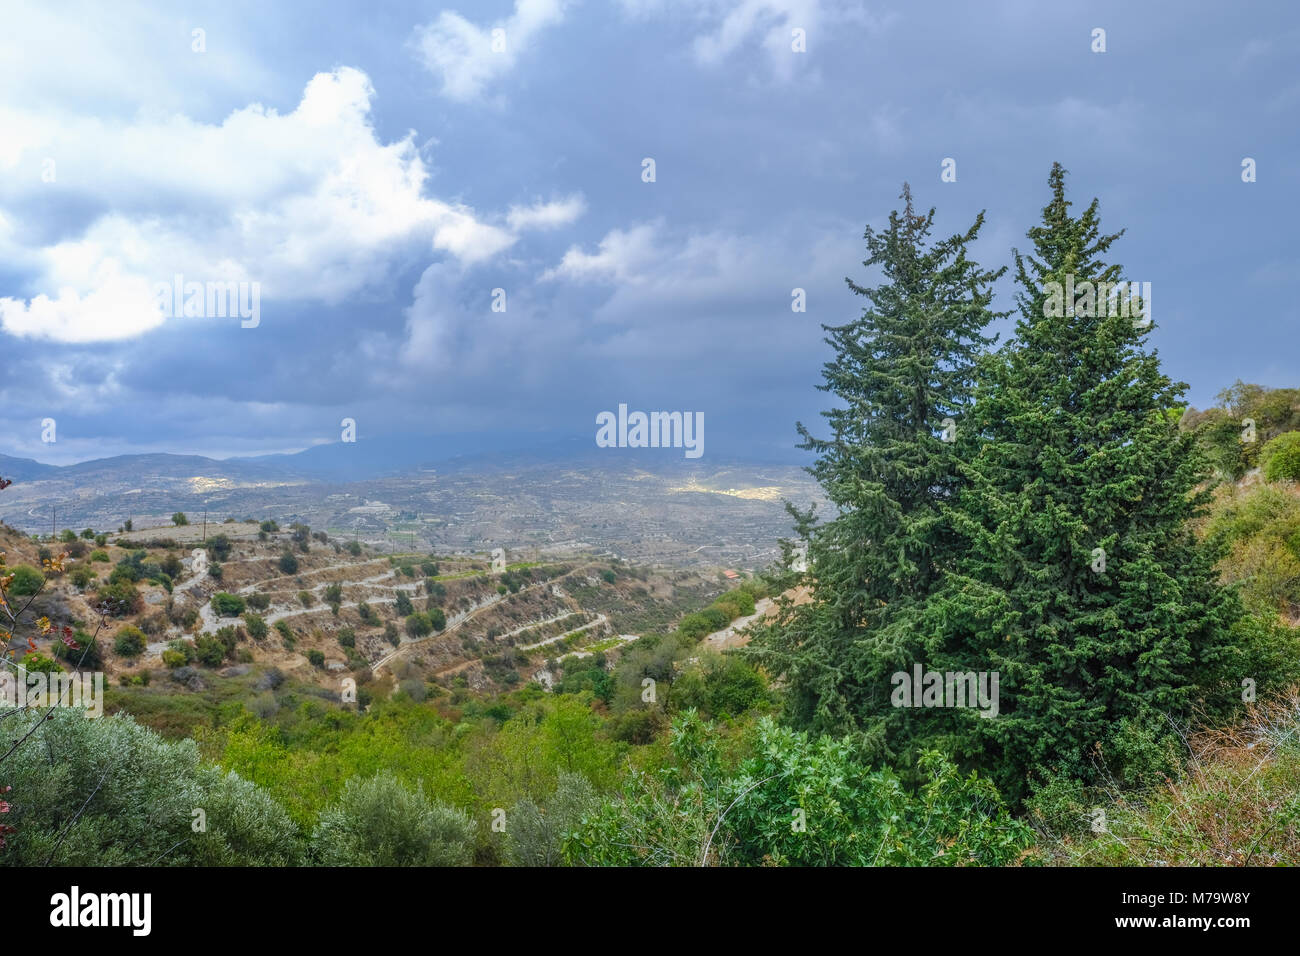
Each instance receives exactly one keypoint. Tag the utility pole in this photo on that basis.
(54, 517)
(205, 524)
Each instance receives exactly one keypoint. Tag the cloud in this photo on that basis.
(621, 257)
(468, 58)
(310, 204)
(547, 215)
(731, 26)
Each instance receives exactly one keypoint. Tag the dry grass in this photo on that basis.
(1236, 804)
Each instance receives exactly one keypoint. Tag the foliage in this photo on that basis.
(109, 792)
(1280, 458)
(795, 802)
(129, 642)
(227, 605)
(379, 822)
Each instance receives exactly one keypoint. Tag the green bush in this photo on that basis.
(796, 802)
(419, 624)
(120, 597)
(288, 563)
(316, 658)
(87, 655)
(227, 605)
(129, 642)
(145, 792)
(219, 547)
(99, 556)
(27, 580)
(173, 659)
(209, 651)
(378, 822)
(536, 838)
(1280, 458)
(82, 577)
(255, 625)
(37, 663)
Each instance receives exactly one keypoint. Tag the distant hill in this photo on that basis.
(23, 469)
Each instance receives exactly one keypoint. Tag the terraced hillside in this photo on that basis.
(179, 608)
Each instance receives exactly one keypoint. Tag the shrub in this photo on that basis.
(121, 598)
(173, 659)
(82, 577)
(1280, 458)
(419, 624)
(209, 650)
(255, 625)
(87, 654)
(353, 548)
(145, 791)
(179, 519)
(99, 555)
(288, 563)
(38, 663)
(347, 638)
(227, 605)
(129, 642)
(534, 838)
(403, 604)
(306, 598)
(219, 547)
(378, 822)
(269, 526)
(259, 601)
(700, 814)
(186, 649)
(26, 580)
(316, 658)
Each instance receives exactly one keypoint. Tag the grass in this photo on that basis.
(1236, 804)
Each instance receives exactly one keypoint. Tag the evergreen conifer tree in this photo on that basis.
(903, 376)
(1080, 582)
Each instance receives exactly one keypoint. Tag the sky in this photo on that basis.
(376, 174)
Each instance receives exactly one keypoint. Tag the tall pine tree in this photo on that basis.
(1080, 581)
(903, 374)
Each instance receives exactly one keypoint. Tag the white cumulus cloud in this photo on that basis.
(467, 58)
